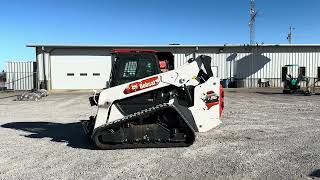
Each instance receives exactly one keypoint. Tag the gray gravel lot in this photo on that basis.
(263, 136)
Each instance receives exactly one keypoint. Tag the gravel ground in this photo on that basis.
(263, 136)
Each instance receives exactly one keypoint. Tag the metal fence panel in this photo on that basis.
(20, 75)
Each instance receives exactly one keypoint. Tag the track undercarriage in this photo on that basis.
(159, 126)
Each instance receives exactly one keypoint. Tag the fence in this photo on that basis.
(20, 80)
(20, 75)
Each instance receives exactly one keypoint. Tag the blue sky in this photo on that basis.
(150, 22)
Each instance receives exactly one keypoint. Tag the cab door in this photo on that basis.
(129, 68)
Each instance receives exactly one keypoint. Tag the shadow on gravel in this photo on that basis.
(8, 97)
(269, 93)
(71, 133)
(315, 173)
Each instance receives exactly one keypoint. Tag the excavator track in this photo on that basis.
(170, 130)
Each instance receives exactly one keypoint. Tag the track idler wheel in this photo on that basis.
(97, 139)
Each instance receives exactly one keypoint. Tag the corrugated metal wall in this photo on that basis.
(246, 65)
(243, 64)
(20, 75)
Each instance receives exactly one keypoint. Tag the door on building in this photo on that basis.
(80, 72)
(284, 72)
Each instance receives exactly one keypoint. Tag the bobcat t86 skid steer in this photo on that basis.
(148, 104)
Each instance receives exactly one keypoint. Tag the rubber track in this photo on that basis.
(143, 113)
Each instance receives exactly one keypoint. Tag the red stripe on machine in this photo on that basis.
(140, 85)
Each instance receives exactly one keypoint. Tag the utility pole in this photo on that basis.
(290, 34)
(253, 15)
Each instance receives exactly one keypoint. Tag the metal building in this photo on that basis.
(88, 66)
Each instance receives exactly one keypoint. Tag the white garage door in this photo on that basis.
(80, 72)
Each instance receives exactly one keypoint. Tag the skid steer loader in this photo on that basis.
(146, 106)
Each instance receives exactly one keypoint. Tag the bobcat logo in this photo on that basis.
(144, 84)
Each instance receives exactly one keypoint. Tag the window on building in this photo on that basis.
(70, 74)
(284, 71)
(318, 73)
(302, 71)
(96, 74)
(83, 74)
